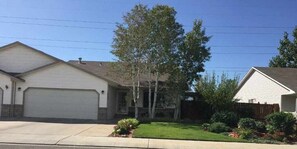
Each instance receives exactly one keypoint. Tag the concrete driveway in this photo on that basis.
(49, 132)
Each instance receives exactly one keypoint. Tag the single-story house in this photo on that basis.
(35, 84)
(271, 86)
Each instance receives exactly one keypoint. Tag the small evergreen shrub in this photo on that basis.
(133, 122)
(229, 118)
(124, 126)
(247, 123)
(218, 127)
(281, 122)
(260, 127)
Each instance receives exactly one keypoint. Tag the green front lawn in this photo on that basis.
(165, 130)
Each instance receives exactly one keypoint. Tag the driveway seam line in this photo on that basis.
(83, 130)
(57, 143)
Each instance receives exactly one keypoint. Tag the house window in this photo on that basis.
(160, 99)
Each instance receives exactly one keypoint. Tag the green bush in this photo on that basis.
(229, 118)
(247, 123)
(260, 127)
(120, 131)
(245, 133)
(218, 127)
(205, 126)
(133, 122)
(125, 125)
(281, 122)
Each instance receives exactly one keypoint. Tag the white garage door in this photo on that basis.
(61, 103)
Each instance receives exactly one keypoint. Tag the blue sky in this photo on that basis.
(69, 29)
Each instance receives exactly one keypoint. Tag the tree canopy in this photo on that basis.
(287, 52)
(218, 93)
(155, 39)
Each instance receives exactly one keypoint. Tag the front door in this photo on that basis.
(122, 103)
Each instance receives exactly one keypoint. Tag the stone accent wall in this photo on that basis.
(18, 111)
(6, 110)
(12, 111)
(102, 113)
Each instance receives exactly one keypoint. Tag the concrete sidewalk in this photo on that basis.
(167, 144)
(110, 142)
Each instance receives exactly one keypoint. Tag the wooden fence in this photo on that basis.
(260, 111)
(199, 110)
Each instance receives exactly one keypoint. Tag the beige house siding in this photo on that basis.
(63, 76)
(261, 89)
(5, 80)
(21, 59)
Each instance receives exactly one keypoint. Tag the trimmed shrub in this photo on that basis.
(205, 126)
(247, 123)
(260, 127)
(133, 122)
(125, 125)
(281, 122)
(229, 118)
(218, 127)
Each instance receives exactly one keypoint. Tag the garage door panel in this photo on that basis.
(57, 103)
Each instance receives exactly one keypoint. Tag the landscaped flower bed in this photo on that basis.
(278, 127)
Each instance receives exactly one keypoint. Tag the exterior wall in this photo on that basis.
(22, 59)
(111, 103)
(63, 76)
(289, 103)
(262, 89)
(5, 80)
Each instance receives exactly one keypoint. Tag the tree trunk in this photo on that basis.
(134, 91)
(150, 93)
(177, 108)
(155, 95)
(138, 90)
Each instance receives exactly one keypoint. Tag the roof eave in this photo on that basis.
(12, 77)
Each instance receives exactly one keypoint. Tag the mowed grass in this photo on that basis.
(169, 130)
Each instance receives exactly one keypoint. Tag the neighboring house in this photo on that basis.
(271, 86)
(35, 84)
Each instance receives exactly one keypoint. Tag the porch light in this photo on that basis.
(102, 92)
(6, 86)
(19, 88)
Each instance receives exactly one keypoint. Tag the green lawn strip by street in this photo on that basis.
(164, 130)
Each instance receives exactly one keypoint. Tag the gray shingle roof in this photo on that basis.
(111, 71)
(285, 76)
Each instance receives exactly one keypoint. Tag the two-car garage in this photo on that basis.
(61, 103)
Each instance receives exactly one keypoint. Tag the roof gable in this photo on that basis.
(17, 43)
(284, 77)
(18, 58)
